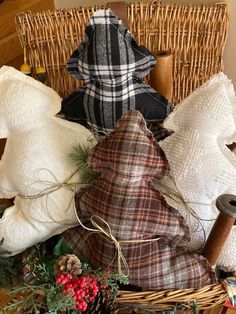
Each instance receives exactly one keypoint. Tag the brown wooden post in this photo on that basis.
(120, 8)
(161, 77)
(226, 205)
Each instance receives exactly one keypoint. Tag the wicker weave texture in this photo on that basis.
(195, 34)
(205, 298)
(50, 37)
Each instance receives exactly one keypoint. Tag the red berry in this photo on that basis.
(68, 287)
(91, 298)
(68, 276)
(82, 282)
(84, 308)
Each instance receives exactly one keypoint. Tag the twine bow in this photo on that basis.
(120, 256)
(121, 260)
(54, 186)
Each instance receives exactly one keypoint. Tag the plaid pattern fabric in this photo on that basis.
(128, 158)
(112, 65)
(159, 132)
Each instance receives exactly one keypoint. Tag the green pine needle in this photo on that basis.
(80, 159)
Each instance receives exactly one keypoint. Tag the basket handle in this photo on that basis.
(226, 204)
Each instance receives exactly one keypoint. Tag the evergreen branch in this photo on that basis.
(113, 282)
(33, 298)
(120, 278)
(80, 159)
(56, 300)
(43, 273)
(25, 300)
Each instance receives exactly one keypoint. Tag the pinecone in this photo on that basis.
(103, 305)
(68, 263)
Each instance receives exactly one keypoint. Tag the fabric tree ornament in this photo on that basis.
(151, 234)
(112, 65)
(35, 167)
(202, 167)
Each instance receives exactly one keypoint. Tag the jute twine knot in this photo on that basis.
(121, 260)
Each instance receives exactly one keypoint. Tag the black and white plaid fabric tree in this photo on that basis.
(112, 66)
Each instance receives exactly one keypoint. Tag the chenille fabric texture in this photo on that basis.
(112, 66)
(123, 196)
(202, 166)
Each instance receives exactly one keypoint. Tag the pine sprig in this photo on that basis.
(79, 157)
(120, 278)
(44, 293)
(113, 281)
(43, 273)
(55, 298)
(25, 299)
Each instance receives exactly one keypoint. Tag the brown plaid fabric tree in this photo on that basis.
(151, 234)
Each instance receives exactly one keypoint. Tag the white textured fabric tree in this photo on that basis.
(35, 163)
(202, 167)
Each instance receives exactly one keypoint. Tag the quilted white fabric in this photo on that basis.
(202, 167)
(35, 159)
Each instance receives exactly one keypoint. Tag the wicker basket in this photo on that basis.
(195, 35)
